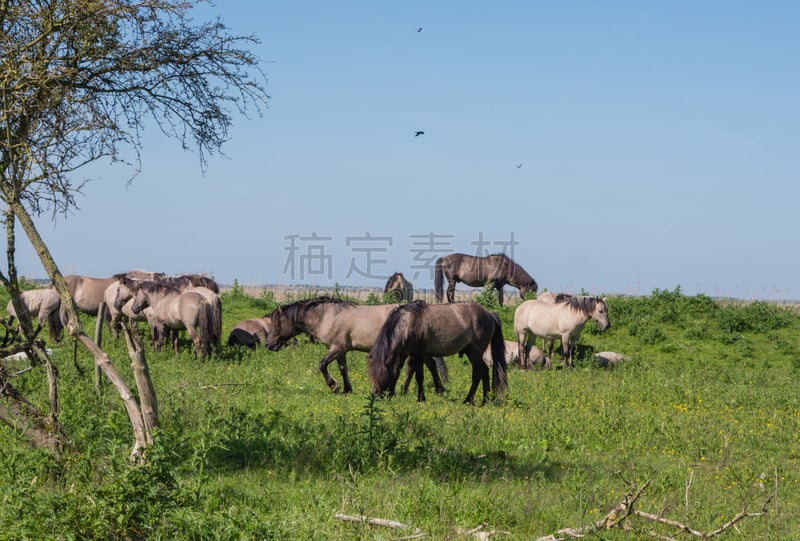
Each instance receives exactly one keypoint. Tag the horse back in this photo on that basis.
(351, 327)
(548, 319)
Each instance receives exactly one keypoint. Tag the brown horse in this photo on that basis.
(398, 289)
(494, 271)
(250, 332)
(340, 325)
(44, 305)
(562, 318)
(172, 309)
(418, 330)
(88, 292)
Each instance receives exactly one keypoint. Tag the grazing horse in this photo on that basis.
(494, 271)
(44, 305)
(340, 325)
(418, 330)
(173, 309)
(250, 332)
(562, 318)
(398, 289)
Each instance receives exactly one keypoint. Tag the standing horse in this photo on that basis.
(250, 332)
(340, 325)
(118, 289)
(44, 305)
(494, 271)
(89, 292)
(173, 309)
(562, 318)
(418, 330)
(398, 289)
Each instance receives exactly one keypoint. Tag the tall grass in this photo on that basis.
(254, 445)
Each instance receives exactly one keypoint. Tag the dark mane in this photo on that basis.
(194, 280)
(297, 310)
(158, 288)
(384, 345)
(583, 304)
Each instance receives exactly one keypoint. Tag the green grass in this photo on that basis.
(254, 446)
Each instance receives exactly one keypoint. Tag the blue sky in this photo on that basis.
(659, 145)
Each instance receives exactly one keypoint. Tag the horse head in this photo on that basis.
(280, 329)
(140, 300)
(600, 314)
(126, 288)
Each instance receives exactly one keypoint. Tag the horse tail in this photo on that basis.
(499, 372)
(382, 353)
(438, 280)
(205, 323)
(55, 325)
(217, 322)
(442, 369)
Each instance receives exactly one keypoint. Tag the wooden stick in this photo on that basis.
(377, 522)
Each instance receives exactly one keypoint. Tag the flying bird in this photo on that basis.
(418, 133)
(519, 165)
(419, 29)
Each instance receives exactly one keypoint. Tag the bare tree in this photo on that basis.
(79, 81)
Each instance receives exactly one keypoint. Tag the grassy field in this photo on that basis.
(253, 445)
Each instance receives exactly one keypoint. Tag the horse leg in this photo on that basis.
(342, 360)
(409, 375)
(566, 359)
(480, 373)
(323, 367)
(430, 362)
(499, 293)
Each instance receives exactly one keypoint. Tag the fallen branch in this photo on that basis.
(618, 517)
(381, 522)
(218, 385)
(479, 532)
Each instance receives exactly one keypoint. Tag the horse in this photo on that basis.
(45, 305)
(125, 290)
(418, 330)
(494, 271)
(562, 318)
(340, 325)
(398, 289)
(173, 309)
(88, 292)
(250, 332)
(535, 355)
(115, 315)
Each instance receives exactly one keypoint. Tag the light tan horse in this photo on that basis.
(398, 289)
(44, 305)
(116, 316)
(341, 325)
(563, 318)
(172, 309)
(250, 332)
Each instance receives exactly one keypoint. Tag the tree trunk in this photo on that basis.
(142, 435)
(147, 393)
(27, 420)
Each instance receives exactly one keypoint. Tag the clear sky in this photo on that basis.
(615, 147)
